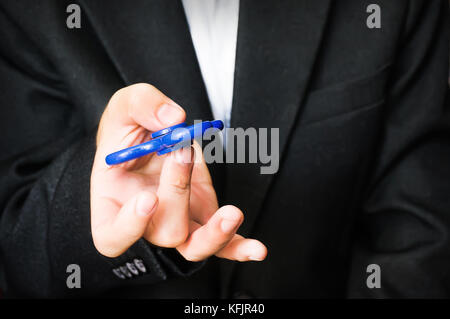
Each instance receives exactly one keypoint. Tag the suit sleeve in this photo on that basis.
(404, 227)
(45, 165)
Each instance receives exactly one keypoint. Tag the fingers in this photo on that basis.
(203, 196)
(170, 225)
(213, 236)
(201, 173)
(139, 104)
(243, 249)
(113, 233)
(147, 106)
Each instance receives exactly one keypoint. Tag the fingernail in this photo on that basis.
(230, 220)
(169, 114)
(228, 225)
(145, 205)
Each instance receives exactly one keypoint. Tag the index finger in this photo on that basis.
(143, 105)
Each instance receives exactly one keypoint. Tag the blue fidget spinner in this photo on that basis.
(164, 141)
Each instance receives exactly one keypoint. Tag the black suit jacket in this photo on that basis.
(364, 173)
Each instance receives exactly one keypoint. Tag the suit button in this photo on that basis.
(131, 267)
(125, 271)
(140, 265)
(242, 295)
(118, 273)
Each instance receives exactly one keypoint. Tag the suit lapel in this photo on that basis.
(278, 42)
(276, 51)
(149, 41)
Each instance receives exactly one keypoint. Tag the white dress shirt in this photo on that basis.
(213, 25)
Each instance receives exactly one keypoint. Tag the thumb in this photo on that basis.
(114, 237)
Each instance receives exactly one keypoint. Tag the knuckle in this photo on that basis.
(139, 96)
(180, 185)
(131, 95)
(140, 89)
(115, 103)
(135, 100)
(116, 96)
(119, 97)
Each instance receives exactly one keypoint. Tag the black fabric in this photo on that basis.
(364, 140)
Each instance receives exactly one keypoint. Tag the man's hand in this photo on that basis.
(169, 200)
